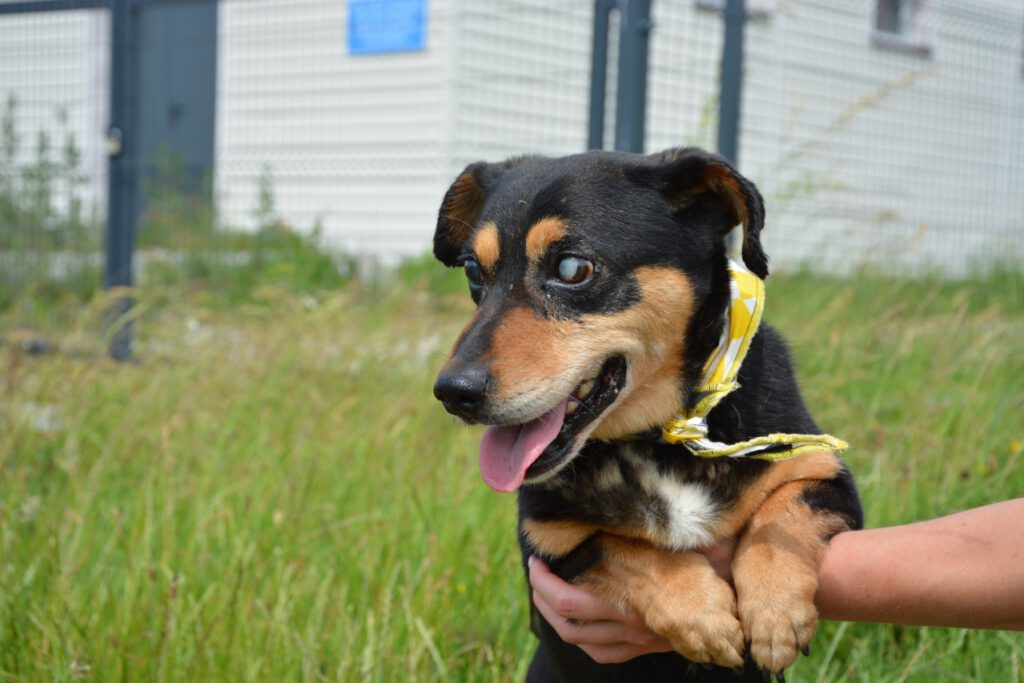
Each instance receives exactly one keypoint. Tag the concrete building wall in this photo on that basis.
(355, 144)
(873, 155)
(56, 68)
(910, 159)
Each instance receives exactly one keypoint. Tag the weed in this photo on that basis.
(272, 493)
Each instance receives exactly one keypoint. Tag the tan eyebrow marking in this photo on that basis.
(542, 235)
(485, 246)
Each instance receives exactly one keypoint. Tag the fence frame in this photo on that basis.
(631, 91)
(635, 26)
(119, 242)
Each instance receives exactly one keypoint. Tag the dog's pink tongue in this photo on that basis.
(507, 452)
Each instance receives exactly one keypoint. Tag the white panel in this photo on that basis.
(869, 155)
(56, 67)
(353, 143)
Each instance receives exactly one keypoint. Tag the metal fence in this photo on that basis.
(883, 137)
(53, 83)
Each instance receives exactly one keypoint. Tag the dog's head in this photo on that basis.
(600, 281)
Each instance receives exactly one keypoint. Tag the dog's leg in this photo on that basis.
(775, 570)
(678, 594)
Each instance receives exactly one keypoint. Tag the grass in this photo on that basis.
(271, 492)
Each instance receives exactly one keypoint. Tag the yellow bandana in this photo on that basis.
(719, 379)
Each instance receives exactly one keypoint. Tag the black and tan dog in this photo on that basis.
(603, 288)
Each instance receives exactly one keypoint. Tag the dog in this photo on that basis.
(606, 301)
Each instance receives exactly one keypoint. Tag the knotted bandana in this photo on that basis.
(690, 428)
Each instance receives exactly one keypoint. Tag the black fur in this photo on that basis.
(626, 212)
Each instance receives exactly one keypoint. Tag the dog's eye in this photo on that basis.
(572, 270)
(473, 272)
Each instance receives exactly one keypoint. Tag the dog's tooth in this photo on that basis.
(584, 389)
(571, 406)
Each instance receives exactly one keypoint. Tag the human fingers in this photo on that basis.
(597, 633)
(570, 602)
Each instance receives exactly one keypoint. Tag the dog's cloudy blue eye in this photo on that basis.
(573, 270)
(473, 272)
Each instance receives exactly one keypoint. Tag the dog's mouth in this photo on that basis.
(512, 454)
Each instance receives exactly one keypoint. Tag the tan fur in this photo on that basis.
(678, 595)
(487, 247)
(812, 466)
(463, 209)
(552, 537)
(557, 538)
(720, 180)
(775, 570)
(542, 235)
(654, 328)
(529, 352)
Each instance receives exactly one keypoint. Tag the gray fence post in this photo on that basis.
(631, 97)
(120, 212)
(729, 95)
(731, 87)
(117, 270)
(631, 90)
(599, 73)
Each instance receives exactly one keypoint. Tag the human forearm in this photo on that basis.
(964, 570)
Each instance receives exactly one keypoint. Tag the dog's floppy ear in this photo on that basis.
(461, 207)
(460, 210)
(686, 173)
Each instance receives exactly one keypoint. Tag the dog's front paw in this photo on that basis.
(701, 625)
(777, 631)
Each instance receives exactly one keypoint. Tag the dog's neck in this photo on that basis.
(720, 378)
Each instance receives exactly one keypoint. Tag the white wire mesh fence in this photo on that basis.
(894, 143)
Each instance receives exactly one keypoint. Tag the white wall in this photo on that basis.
(356, 143)
(56, 65)
(520, 79)
(871, 155)
(864, 154)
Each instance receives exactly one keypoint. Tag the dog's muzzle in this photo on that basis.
(463, 391)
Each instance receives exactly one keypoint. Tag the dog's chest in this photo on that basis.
(627, 492)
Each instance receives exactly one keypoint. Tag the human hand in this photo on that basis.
(607, 634)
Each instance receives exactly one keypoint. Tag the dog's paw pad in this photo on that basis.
(715, 638)
(777, 637)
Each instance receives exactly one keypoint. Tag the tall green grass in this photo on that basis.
(272, 493)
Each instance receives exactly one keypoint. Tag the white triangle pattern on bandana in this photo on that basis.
(719, 379)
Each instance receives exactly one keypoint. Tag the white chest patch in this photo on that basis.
(690, 513)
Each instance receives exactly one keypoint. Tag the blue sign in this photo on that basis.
(382, 26)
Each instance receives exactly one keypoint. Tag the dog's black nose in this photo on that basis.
(463, 391)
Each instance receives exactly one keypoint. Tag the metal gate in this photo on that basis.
(162, 98)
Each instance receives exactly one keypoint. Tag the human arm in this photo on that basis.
(964, 570)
